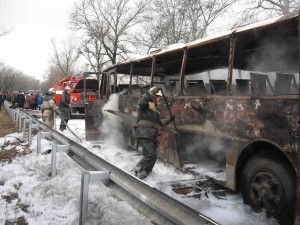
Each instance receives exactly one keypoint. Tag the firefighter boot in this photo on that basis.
(140, 172)
(62, 127)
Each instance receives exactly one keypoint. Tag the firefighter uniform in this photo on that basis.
(49, 107)
(65, 109)
(148, 124)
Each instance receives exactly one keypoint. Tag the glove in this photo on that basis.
(172, 118)
(153, 91)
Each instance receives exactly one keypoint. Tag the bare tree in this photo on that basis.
(11, 79)
(257, 10)
(65, 57)
(107, 27)
(53, 75)
(175, 21)
(92, 50)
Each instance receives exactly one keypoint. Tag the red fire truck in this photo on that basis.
(83, 90)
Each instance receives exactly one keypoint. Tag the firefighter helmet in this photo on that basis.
(51, 91)
(155, 91)
(159, 93)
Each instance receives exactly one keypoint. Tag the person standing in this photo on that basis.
(14, 98)
(49, 107)
(65, 109)
(27, 100)
(1, 100)
(21, 100)
(39, 101)
(148, 124)
(31, 98)
(4, 98)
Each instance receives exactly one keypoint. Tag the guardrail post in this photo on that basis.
(55, 149)
(24, 126)
(31, 126)
(17, 119)
(21, 117)
(41, 135)
(11, 113)
(16, 112)
(86, 178)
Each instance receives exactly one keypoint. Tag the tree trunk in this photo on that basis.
(286, 6)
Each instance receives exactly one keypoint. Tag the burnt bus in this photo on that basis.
(235, 98)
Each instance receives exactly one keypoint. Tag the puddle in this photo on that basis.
(197, 188)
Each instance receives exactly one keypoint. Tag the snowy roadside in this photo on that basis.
(29, 194)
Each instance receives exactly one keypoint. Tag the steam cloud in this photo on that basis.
(112, 125)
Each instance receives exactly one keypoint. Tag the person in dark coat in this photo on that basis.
(65, 109)
(21, 100)
(1, 100)
(4, 98)
(148, 124)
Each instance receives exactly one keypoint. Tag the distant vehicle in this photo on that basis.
(84, 89)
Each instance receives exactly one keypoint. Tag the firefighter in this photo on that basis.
(49, 107)
(65, 109)
(148, 125)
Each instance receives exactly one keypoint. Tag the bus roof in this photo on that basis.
(276, 39)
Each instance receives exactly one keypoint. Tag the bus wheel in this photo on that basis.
(269, 183)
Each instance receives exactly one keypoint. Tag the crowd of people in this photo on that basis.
(23, 100)
(46, 103)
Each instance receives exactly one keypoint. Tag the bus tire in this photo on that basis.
(269, 183)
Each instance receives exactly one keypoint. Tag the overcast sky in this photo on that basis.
(33, 23)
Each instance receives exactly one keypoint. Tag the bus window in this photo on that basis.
(285, 84)
(174, 86)
(196, 87)
(242, 86)
(261, 85)
(218, 87)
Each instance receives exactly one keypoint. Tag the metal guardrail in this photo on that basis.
(157, 206)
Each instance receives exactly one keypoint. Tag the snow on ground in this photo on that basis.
(53, 201)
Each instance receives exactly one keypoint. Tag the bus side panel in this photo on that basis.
(242, 118)
(167, 149)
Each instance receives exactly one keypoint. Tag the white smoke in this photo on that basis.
(202, 149)
(112, 125)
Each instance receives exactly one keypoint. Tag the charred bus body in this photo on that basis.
(236, 102)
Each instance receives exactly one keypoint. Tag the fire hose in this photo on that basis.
(165, 99)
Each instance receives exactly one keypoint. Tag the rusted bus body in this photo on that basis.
(233, 94)
(237, 122)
